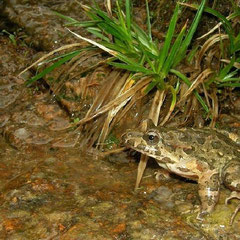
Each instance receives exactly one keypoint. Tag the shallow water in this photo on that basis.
(49, 192)
(66, 194)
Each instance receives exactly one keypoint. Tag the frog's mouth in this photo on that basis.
(136, 141)
(150, 147)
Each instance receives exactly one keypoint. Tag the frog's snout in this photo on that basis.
(130, 137)
(126, 136)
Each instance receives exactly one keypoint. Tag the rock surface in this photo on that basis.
(53, 189)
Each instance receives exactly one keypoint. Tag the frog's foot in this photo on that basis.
(201, 215)
(233, 195)
(162, 174)
(208, 189)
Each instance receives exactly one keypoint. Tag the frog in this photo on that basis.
(204, 155)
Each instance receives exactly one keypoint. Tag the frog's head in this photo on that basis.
(138, 136)
(148, 142)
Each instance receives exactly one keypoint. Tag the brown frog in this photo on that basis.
(204, 155)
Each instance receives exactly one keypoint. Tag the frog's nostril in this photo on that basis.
(127, 136)
(130, 142)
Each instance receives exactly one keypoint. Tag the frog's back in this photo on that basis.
(205, 144)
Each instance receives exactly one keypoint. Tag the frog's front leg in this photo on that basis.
(209, 185)
(231, 179)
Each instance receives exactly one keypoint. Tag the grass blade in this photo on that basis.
(128, 15)
(224, 20)
(189, 36)
(100, 14)
(97, 33)
(69, 19)
(150, 86)
(188, 82)
(74, 22)
(133, 68)
(227, 25)
(52, 67)
(233, 85)
(148, 21)
(85, 24)
(120, 16)
(114, 30)
(173, 103)
(144, 39)
(116, 47)
(111, 52)
(174, 50)
(231, 80)
(230, 75)
(147, 56)
(168, 39)
(224, 71)
(237, 43)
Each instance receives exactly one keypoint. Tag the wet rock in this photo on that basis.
(19, 136)
(78, 95)
(67, 195)
(24, 199)
(44, 28)
(6, 100)
(11, 224)
(183, 207)
(28, 117)
(13, 58)
(22, 133)
(49, 111)
(101, 208)
(67, 140)
(38, 21)
(236, 104)
(120, 158)
(8, 95)
(58, 124)
(164, 196)
(230, 120)
(31, 137)
(3, 120)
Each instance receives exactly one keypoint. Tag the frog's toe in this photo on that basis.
(201, 215)
(162, 174)
(233, 195)
(234, 214)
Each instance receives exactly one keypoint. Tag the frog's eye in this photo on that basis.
(151, 137)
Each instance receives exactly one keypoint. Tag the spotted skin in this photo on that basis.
(204, 155)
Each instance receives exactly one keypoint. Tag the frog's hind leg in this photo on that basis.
(233, 195)
(209, 185)
(231, 179)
